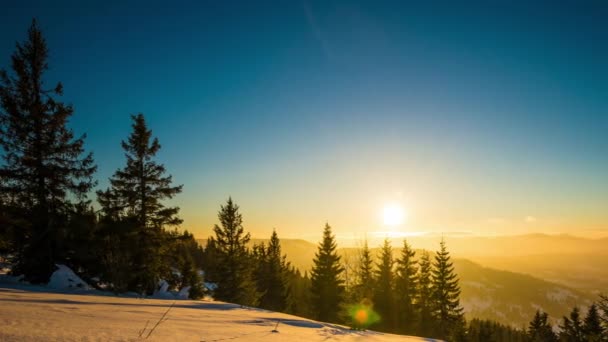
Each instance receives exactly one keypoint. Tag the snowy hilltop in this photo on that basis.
(35, 313)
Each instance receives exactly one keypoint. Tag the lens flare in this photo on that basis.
(362, 316)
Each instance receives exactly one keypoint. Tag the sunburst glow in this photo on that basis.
(393, 215)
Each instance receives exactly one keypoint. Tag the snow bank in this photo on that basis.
(64, 278)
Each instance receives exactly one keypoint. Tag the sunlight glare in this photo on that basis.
(393, 215)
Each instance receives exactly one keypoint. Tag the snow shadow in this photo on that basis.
(301, 323)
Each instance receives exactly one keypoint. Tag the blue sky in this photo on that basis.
(476, 117)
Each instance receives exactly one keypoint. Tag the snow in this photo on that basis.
(560, 295)
(68, 309)
(34, 313)
(64, 278)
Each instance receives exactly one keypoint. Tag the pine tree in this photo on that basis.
(424, 303)
(406, 289)
(234, 276)
(261, 273)
(139, 188)
(327, 286)
(592, 325)
(447, 311)
(572, 327)
(276, 288)
(184, 255)
(135, 195)
(364, 283)
(299, 298)
(384, 285)
(540, 330)
(603, 306)
(490, 331)
(211, 260)
(44, 171)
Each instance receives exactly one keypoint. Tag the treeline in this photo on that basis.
(46, 176)
(593, 327)
(412, 295)
(407, 295)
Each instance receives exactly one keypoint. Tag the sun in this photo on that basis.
(393, 215)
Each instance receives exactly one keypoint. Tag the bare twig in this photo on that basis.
(162, 319)
(141, 332)
(275, 327)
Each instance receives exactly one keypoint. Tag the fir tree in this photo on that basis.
(424, 303)
(384, 284)
(139, 188)
(45, 171)
(540, 330)
(406, 289)
(592, 325)
(603, 306)
(185, 256)
(135, 195)
(211, 260)
(364, 276)
(490, 331)
(299, 298)
(327, 285)
(276, 289)
(572, 327)
(447, 311)
(234, 276)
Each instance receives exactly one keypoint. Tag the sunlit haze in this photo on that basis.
(400, 120)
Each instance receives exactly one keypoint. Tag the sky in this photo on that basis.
(476, 118)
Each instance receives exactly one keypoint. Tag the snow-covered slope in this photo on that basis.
(29, 313)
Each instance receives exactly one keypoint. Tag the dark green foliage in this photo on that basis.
(424, 304)
(134, 217)
(540, 330)
(80, 242)
(299, 298)
(139, 188)
(271, 274)
(44, 173)
(592, 326)
(603, 306)
(490, 331)
(185, 260)
(406, 290)
(116, 246)
(234, 275)
(572, 327)
(364, 277)
(447, 312)
(211, 260)
(384, 300)
(327, 285)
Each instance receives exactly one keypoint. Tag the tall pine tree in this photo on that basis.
(45, 171)
(592, 325)
(364, 276)
(447, 311)
(384, 300)
(234, 276)
(424, 303)
(135, 195)
(572, 327)
(540, 330)
(277, 290)
(406, 289)
(327, 285)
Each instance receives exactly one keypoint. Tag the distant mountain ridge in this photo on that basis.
(505, 296)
